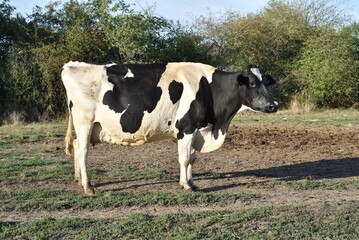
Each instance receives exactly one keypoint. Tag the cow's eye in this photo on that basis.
(252, 84)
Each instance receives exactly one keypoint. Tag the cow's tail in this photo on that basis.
(69, 139)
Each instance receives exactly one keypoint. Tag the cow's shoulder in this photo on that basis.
(188, 71)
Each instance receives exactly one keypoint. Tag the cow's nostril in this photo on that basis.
(271, 108)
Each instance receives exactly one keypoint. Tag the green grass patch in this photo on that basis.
(208, 175)
(31, 199)
(259, 223)
(327, 184)
(17, 169)
(323, 118)
(12, 155)
(32, 132)
(28, 166)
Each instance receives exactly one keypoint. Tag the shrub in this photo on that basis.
(327, 69)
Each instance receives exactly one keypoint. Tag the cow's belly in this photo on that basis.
(107, 128)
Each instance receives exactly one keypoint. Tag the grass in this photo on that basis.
(51, 200)
(327, 184)
(28, 166)
(323, 118)
(35, 132)
(32, 132)
(24, 167)
(286, 222)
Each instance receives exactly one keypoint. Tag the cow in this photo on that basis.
(133, 104)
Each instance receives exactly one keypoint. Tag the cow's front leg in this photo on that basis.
(189, 169)
(184, 156)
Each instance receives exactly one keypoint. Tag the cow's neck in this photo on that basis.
(225, 99)
(225, 106)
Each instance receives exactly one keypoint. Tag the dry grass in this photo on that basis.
(14, 118)
(301, 104)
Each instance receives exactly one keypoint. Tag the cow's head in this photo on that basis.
(253, 91)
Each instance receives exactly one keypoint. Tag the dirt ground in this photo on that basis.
(251, 157)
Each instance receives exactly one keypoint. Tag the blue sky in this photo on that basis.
(184, 10)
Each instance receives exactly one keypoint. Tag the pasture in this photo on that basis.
(279, 176)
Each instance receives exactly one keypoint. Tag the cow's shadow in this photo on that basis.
(323, 169)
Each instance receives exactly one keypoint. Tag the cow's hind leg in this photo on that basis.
(81, 152)
(83, 127)
(184, 158)
(77, 174)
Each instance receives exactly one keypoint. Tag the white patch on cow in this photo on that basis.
(110, 65)
(205, 140)
(129, 74)
(256, 72)
(244, 107)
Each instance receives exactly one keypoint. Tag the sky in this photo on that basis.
(185, 10)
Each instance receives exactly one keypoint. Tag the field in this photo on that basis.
(280, 176)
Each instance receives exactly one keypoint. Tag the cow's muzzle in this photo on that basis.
(272, 107)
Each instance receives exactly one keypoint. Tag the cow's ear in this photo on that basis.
(270, 80)
(242, 80)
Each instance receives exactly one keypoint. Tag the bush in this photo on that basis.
(23, 83)
(327, 69)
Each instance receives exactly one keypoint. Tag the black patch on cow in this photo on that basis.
(134, 95)
(71, 105)
(200, 112)
(175, 89)
(226, 102)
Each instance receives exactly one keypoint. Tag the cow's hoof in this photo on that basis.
(90, 191)
(186, 186)
(189, 187)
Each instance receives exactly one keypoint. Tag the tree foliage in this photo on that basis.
(310, 46)
(306, 44)
(327, 71)
(96, 31)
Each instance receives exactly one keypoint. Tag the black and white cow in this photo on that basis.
(134, 104)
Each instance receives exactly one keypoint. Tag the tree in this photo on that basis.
(96, 31)
(322, 13)
(306, 45)
(6, 28)
(327, 69)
